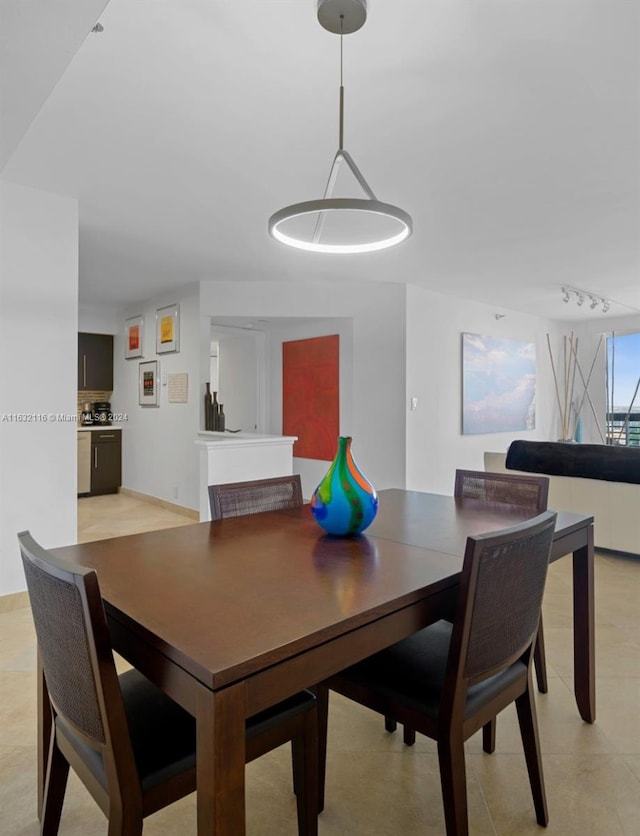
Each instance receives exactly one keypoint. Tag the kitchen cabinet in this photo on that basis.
(106, 461)
(95, 362)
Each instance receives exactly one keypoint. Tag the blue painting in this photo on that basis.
(498, 384)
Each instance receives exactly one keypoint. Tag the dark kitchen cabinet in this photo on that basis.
(106, 461)
(95, 362)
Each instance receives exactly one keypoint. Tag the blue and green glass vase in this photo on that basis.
(345, 502)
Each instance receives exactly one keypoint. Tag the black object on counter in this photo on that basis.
(213, 412)
(102, 413)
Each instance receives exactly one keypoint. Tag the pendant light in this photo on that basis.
(342, 17)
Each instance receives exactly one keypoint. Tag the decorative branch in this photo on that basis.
(571, 366)
(555, 380)
(628, 415)
(585, 384)
(570, 346)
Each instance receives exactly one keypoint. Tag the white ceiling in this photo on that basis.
(509, 129)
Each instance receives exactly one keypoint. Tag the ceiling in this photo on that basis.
(509, 129)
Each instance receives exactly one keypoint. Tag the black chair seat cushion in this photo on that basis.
(163, 735)
(413, 670)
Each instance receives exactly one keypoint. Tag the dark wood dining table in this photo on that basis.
(230, 617)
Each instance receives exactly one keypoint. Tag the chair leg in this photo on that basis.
(322, 694)
(294, 771)
(54, 789)
(526, 708)
(390, 724)
(123, 823)
(408, 736)
(489, 736)
(306, 765)
(540, 660)
(121, 827)
(454, 785)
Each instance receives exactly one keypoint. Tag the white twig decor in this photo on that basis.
(564, 379)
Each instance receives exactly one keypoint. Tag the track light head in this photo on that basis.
(582, 295)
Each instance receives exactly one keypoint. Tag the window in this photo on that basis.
(623, 389)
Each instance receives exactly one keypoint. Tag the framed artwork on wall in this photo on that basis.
(149, 383)
(133, 337)
(168, 329)
(498, 384)
(311, 395)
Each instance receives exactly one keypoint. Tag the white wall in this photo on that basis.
(375, 386)
(240, 366)
(435, 444)
(38, 372)
(159, 457)
(94, 319)
(397, 342)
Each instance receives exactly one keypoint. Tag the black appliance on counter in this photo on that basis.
(102, 413)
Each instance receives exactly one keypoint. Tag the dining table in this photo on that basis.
(230, 617)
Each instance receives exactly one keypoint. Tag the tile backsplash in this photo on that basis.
(90, 397)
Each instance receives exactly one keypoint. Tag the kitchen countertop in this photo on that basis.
(97, 427)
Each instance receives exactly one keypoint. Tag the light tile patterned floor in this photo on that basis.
(375, 785)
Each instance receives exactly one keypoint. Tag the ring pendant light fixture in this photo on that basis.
(342, 17)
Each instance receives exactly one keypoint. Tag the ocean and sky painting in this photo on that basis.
(498, 384)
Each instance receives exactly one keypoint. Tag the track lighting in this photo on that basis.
(581, 295)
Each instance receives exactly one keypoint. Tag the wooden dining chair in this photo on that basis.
(448, 680)
(236, 499)
(524, 491)
(131, 745)
(506, 489)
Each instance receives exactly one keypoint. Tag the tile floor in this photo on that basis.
(376, 786)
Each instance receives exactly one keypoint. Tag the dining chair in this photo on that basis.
(131, 745)
(524, 491)
(510, 489)
(506, 489)
(448, 680)
(236, 499)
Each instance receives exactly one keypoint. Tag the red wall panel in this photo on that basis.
(311, 395)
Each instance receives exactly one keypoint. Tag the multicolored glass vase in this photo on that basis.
(345, 502)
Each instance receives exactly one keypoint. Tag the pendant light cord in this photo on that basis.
(341, 132)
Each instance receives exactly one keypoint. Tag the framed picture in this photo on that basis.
(498, 384)
(133, 335)
(168, 329)
(149, 383)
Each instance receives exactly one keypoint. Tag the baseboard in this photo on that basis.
(14, 601)
(163, 503)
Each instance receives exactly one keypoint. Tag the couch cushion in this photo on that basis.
(588, 461)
